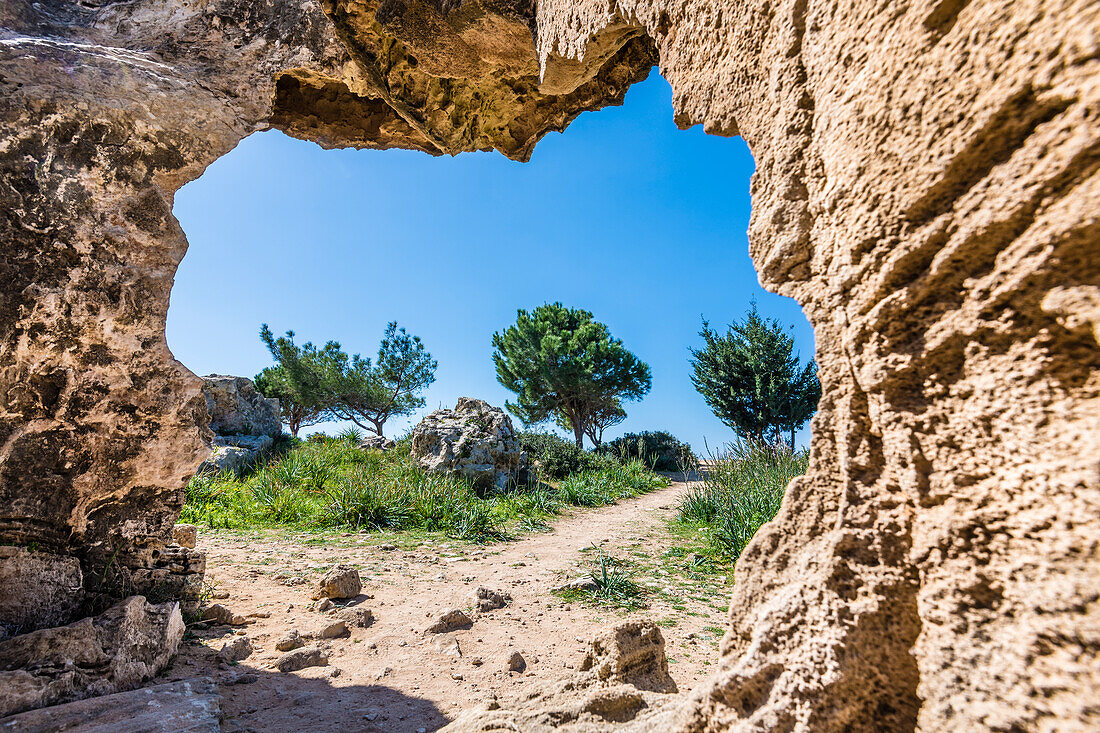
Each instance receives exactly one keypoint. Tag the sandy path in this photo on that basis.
(393, 678)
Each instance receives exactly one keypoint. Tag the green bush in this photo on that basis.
(658, 450)
(555, 457)
(739, 492)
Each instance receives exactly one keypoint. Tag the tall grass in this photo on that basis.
(740, 490)
(331, 484)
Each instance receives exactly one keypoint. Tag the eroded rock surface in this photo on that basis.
(114, 651)
(475, 440)
(926, 187)
(236, 408)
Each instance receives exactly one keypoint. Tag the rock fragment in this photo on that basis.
(342, 581)
(484, 599)
(451, 620)
(307, 656)
(185, 535)
(290, 641)
(236, 649)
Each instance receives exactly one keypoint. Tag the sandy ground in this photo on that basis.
(390, 676)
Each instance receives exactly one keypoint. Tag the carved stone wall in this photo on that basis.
(927, 188)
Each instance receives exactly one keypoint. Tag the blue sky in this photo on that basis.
(623, 215)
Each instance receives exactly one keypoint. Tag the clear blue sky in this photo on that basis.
(623, 215)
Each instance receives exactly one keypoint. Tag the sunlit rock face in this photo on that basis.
(927, 188)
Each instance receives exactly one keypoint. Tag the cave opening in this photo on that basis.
(626, 216)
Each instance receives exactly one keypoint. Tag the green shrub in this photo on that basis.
(658, 450)
(739, 492)
(555, 457)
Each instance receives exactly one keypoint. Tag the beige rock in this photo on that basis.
(356, 618)
(290, 641)
(307, 656)
(451, 620)
(39, 589)
(485, 599)
(341, 581)
(236, 649)
(334, 630)
(925, 188)
(188, 705)
(219, 614)
(185, 535)
(114, 651)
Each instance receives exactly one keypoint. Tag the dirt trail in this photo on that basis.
(393, 678)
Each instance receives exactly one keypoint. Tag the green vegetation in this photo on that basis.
(314, 385)
(739, 492)
(613, 584)
(566, 367)
(555, 457)
(658, 450)
(751, 380)
(330, 484)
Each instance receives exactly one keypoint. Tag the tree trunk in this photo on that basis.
(578, 434)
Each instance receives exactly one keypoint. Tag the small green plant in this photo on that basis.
(327, 483)
(612, 585)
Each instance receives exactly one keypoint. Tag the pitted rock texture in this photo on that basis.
(115, 651)
(237, 409)
(927, 187)
(475, 440)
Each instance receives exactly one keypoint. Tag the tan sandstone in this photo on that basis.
(927, 188)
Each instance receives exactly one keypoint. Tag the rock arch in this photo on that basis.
(927, 188)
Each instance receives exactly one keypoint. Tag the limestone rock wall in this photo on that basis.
(927, 188)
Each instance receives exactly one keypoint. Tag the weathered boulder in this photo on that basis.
(236, 408)
(114, 651)
(234, 453)
(377, 442)
(475, 440)
(631, 653)
(236, 649)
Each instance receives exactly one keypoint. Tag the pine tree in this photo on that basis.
(750, 378)
(564, 366)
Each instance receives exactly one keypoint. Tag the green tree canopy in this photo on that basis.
(370, 395)
(296, 379)
(563, 365)
(750, 378)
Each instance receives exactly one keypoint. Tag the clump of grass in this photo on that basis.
(329, 483)
(740, 491)
(612, 585)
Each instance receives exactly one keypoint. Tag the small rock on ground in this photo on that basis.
(290, 641)
(219, 614)
(451, 620)
(485, 599)
(342, 581)
(516, 663)
(236, 649)
(356, 618)
(308, 656)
